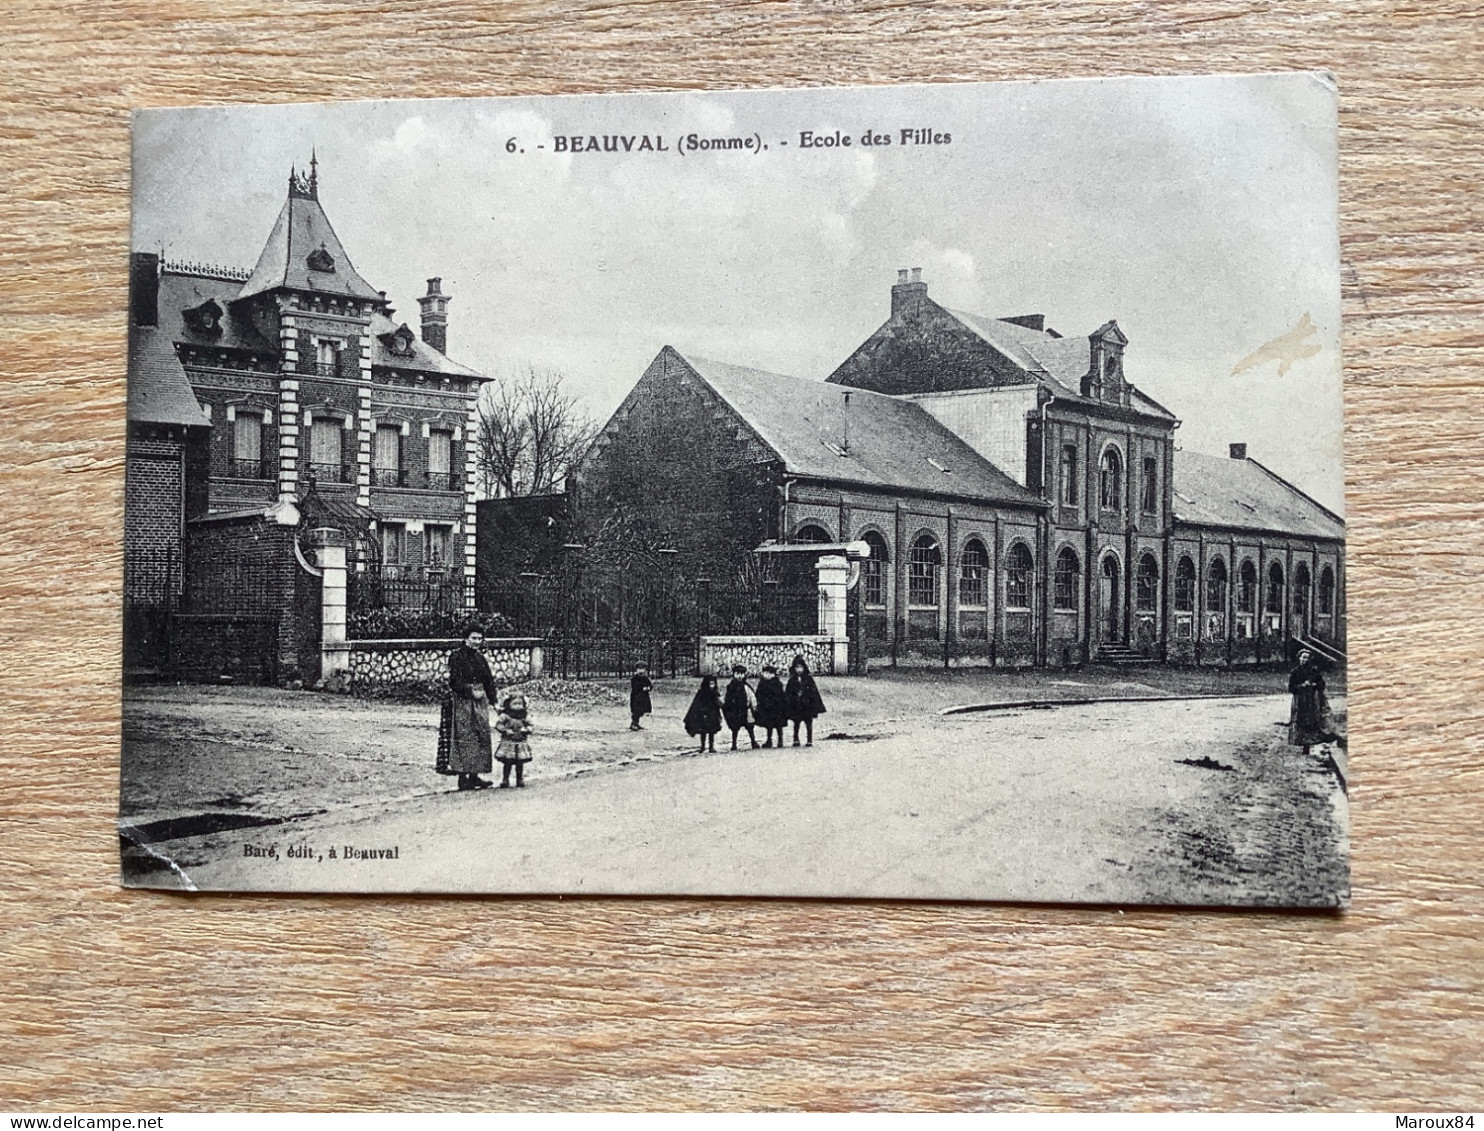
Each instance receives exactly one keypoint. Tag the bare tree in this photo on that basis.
(531, 432)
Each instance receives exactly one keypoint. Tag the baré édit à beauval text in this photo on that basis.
(692, 143)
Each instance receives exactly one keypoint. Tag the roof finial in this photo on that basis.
(305, 185)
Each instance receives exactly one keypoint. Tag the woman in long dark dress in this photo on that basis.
(464, 746)
(771, 711)
(1309, 722)
(802, 698)
(703, 720)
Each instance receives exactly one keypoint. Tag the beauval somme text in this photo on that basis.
(908, 136)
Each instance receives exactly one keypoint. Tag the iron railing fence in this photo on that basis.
(333, 472)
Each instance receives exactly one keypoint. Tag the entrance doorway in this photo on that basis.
(1110, 607)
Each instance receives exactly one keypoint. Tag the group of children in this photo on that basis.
(771, 706)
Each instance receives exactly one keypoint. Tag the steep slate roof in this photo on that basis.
(1055, 361)
(891, 440)
(159, 392)
(424, 357)
(180, 292)
(1241, 493)
(301, 229)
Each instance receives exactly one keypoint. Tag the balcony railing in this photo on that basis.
(389, 476)
(332, 472)
(347, 367)
(248, 469)
(441, 481)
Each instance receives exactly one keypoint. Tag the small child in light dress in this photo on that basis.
(515, 731)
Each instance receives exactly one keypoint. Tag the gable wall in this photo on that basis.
(683, 470)
(924, 349)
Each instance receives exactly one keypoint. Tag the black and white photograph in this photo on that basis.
(911, 492)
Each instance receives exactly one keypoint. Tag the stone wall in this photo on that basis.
(824, 655)
(380, 667)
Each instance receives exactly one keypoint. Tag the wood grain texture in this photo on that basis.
(134, 1000)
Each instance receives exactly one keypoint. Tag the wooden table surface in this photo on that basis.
(129, 1000)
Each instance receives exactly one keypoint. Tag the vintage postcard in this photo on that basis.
(925, 492)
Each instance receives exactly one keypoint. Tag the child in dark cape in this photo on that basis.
(771, 711)
(802, 698)
(703, 720)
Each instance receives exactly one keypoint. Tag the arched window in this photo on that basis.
(1146, 592)
(1301, 591)
(1068, 570)
(812, 534)
(1216, 586)
(922, 572)
(1326, 592)
(1185, 586)
(1110, 481)
(1247, 589)
(1274, 602)
(1018, 567)
(873, 571)
(973, 576)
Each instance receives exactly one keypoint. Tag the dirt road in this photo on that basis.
(1181, 801)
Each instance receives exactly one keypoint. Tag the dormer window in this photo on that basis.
(399, 343)
(206, 318)
(1104, 379)
(321, 260)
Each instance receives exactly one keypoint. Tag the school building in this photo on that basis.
(1024, 503)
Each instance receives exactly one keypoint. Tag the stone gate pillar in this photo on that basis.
(329, 547)
(834, 580)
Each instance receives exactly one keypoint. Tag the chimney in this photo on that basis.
(907, 297)
(144, 288)
(435, 315)
(1239, 451)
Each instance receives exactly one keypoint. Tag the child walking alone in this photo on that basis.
(515, 731)
(639, 688)
(739, 708)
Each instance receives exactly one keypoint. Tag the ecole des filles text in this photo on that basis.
(692, 142)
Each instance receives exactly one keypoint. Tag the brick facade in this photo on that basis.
(1093, 561)
(293, 365)
(684, 471)
(154, 517)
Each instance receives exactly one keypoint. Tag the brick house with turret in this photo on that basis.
(311, 403)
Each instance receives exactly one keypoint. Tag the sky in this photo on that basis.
(1199, 213)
